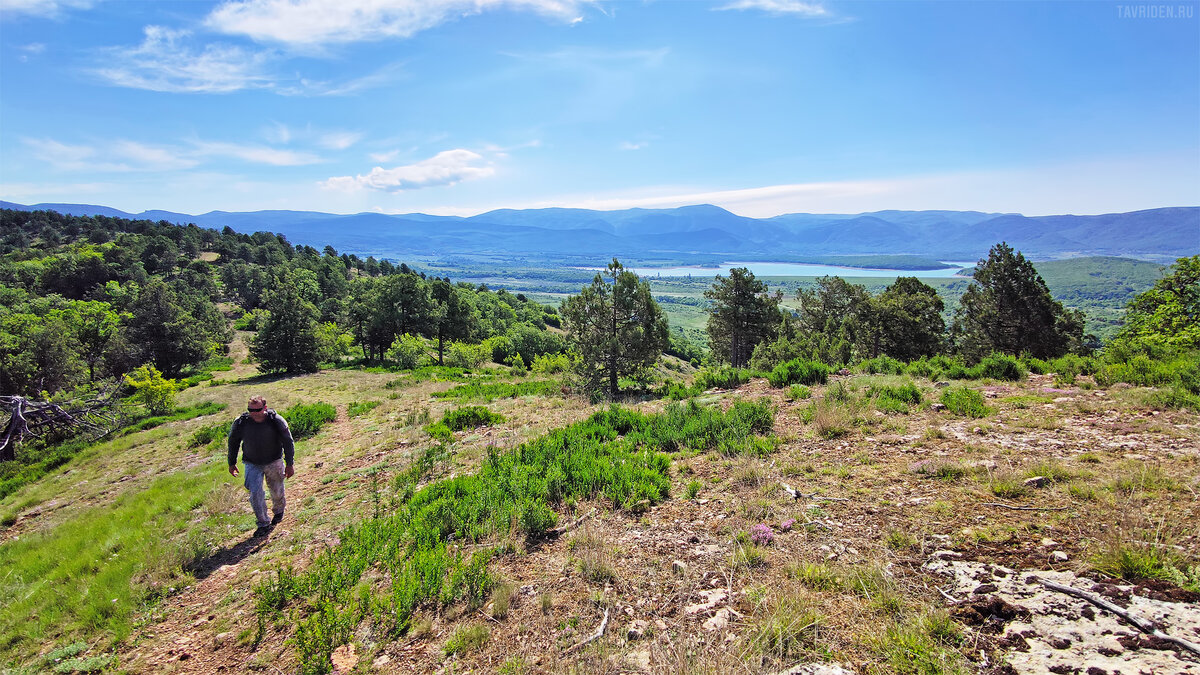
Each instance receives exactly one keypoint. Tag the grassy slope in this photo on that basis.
(144, 505)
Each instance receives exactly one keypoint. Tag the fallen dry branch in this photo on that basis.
(796, 494)
(1141, 624)
(27, 418)
(591, 638)
(1026, 508)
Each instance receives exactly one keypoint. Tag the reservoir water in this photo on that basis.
(774, 269)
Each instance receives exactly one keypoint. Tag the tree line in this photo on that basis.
(89, 298)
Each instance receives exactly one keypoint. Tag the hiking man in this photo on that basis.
(267, 451)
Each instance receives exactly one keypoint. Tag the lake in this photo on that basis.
(774, 269)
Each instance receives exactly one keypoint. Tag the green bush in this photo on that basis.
(799, 392)
(884, 365)
(470, 417)
(963, 401)
(549, 364)
(1000, 367)
(465, 355)
(894, 398)
(151, 389)
(798, 371)
(724, 377)
(357, 408)
(408, 352)
(305, 420)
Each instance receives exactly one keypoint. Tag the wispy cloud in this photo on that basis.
(445, 168)
(793, 7)
(631, 145)
(45, 8)
(112, 157)
(254, 154)
(317, 22)
(339, 140)
(165, 61)
(176, 61)
(125, 156)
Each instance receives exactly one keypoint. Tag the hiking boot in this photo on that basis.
(262, 531)
(277, 519)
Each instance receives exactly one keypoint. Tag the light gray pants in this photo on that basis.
(273, 473)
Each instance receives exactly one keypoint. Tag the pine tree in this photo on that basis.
(744, 314)
(615, 327)
(1008, 308)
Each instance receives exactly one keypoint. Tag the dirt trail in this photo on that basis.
(183, 637)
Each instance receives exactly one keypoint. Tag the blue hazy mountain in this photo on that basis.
(709, 232)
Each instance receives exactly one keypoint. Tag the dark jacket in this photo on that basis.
(261, 442)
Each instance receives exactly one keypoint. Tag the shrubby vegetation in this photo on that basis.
(617, 454)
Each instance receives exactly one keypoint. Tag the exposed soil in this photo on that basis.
(911, 497)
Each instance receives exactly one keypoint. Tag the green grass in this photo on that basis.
(470, 417)
(92, 576)
(616, 454)
(894, 398)
(964, 402)
(799, 371)
(490, 391)
(36, 459)
(923, 645)
(790, 629)
(466, 639)
(357, 408)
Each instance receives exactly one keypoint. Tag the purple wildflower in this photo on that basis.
(787, 525)
(761, 534)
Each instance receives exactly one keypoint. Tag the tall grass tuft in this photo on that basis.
(964, 402)
(799, 371)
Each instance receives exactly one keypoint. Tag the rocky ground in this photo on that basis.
(910, 543)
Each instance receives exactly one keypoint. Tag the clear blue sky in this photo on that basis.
(461, 106)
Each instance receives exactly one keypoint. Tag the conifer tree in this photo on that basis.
(744, 314)
(615, 327)
(1008, 308)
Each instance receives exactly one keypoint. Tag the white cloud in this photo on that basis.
(339, 140)
(796, 7)
(150, 158)
(166, 62)
(314, 22)
(114, 156)
(445, 168)
(46, 8)
(630, 145)
(255, 154)
(382, 157)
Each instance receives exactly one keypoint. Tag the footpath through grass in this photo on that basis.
(617, 454)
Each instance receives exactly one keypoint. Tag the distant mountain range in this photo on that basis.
(708, 233)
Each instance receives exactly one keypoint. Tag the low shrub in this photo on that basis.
(723, 377)
(799, 392)
(491, 391)
(305, 420)
(798, 371)
(964, 402)
(894, 398)
(882, 365)
(357, 408)
(470, 417)
(1000, 367)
